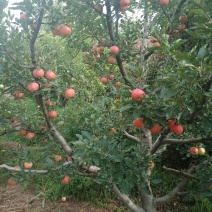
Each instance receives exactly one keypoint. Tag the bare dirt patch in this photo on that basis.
(16, 199)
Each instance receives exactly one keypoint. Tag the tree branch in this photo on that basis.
(126, 200)
(93, 6)
(54, 131)
(132, 137)
(180, 185)
(186, 141)
(159, 141)
(177, 11)
(180, 173)
(10, 168)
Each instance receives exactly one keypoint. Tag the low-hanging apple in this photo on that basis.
(137, 95)
(50, 75)
(156, 128)
(1, 86)
(69, 93)
(38, 73)
(201, 151)
(52, 114)
(33, 87)
(138, 123)
(163, 2)
(103, 80)
(194, 150)
(114, 49)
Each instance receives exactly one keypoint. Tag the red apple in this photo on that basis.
(11, 182)
(138, 123)
(111, 77)
(103, 80)
(33, 87)
(111, 60)
(118, 84)
(124, 2)
(177, 128)
(52, 114)
(50, 75)
(30, 135)
(19, 94)
(66, 179)
(163, 2)
(194, 150)
(156, 128)
(38, 73)
(114, 49)
(23, 16)
(137, 95)
(69, 93)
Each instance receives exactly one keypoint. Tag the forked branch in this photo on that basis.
(127, 201)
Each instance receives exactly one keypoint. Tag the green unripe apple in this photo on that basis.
(1, 86)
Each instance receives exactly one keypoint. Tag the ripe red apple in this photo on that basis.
(103, 80)
(193, 150)
(56, 30)
(124, 2)
(50, 75)
(52, 114)
(156, 128)
(38, 73)
(66, 179)
(114, 49)
(138, 123)
(201, 151)
(48, 102)
(28, 165)
(23, 16)
(123, 8)
(118, 84)
(182, 27)
(30, 135)
(170, 122)
(177, 128)
(64, 30)
(163, 2)
(33, 87)
(22, 132)
(69, 93)
(137, 95)
(11, 182)
(19, 94)
(176, 34)
(111, 77)
(111, 60)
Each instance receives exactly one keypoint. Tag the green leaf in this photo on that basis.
(156, 181)
(202, 51)
(126, 107)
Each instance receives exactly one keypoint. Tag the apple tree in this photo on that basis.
(153, 89)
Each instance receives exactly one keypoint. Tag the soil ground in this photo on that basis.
(16, 199)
